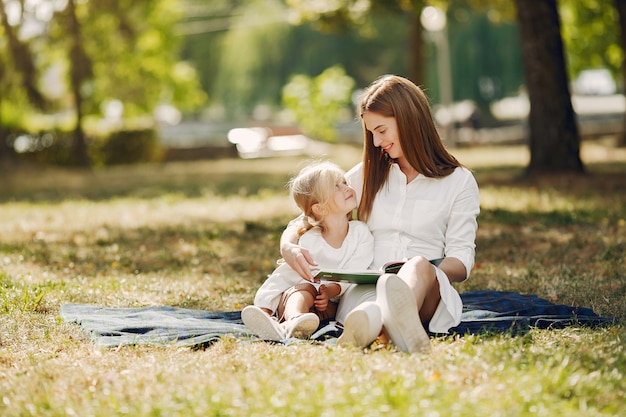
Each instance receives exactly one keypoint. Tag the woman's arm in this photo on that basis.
(454, 269)
(297, 257)
(461, 230)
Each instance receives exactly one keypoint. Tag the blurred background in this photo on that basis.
(102, 82)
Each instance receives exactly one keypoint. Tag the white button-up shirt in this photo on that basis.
(431, 217)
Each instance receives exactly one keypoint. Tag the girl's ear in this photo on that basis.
(318, 210)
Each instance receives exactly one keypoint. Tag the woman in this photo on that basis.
(420, 204)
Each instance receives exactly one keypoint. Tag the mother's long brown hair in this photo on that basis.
(394, 96)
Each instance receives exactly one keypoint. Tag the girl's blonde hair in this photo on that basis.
(315, 184)
(397, 97)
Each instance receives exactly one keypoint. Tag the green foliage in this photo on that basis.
(317, 103)
(591, 35)
(246, 53)
(136, 57)
(10, 118)
(330, 15)
(132, 55)
(14, 105)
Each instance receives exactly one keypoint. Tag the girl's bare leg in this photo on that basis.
(299, 302)
(296, 318)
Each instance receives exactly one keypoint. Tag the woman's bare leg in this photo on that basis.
(421, 277)
(401, 319)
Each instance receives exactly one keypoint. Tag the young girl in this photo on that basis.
(288, 306)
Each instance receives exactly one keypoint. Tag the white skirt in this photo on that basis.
(447, 314)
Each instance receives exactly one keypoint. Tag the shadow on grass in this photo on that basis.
(248, 178)
(554, 218)
(205, 248)
(571, 255)
(105, 188)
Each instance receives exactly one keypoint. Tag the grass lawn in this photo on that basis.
(204, 234)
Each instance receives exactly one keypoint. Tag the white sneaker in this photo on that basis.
(301, 327)
(362, 326)
(264, 325)
(400, 315)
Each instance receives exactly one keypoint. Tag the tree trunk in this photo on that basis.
(620, 5)
(79, 144)
(553, 133)
(4, 148)
(416, 48)
(80, 70)
(23, 61)
(6, 153)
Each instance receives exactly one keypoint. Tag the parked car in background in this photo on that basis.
(598, 82)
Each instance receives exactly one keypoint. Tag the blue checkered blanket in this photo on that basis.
(483, 312)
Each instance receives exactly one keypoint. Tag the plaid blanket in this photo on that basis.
(483, 312)
(496, 311)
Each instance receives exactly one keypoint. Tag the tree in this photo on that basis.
(80, 72)
(24, 63)
(337, 16)
(18, 78)
(620, 5)
(112, 50)
(553, 133)
(591, 32)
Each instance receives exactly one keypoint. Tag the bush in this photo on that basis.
(56, 147)
(129, 146)
(49, 147)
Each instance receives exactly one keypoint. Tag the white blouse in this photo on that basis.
(431, 217)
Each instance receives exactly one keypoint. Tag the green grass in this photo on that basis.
(204, 235)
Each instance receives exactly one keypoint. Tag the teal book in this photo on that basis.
(367, 276)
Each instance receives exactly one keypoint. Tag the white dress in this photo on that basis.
(431, 217)
(356, 252)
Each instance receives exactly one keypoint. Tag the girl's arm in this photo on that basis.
(326, 293)
(297, 257)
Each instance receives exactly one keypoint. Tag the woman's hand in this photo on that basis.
(299, 260)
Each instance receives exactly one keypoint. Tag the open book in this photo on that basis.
(367, 276)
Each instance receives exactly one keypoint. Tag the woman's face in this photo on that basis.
(384, 132)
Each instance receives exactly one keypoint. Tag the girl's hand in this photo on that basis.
(299, 260)
(321, 301)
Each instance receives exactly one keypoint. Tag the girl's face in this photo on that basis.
(384, 132)
(344, 198)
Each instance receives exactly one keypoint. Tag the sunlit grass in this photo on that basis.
(205, 234)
